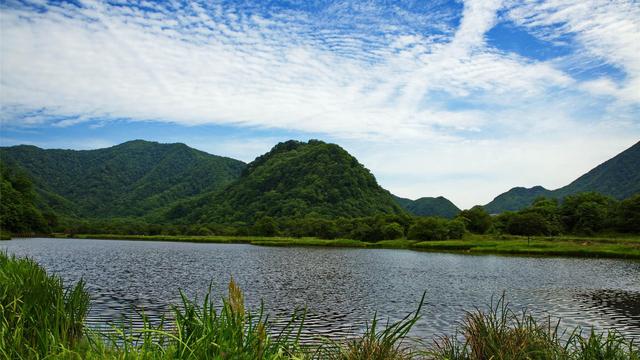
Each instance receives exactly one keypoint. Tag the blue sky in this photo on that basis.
(464, 99)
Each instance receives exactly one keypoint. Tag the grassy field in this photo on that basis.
(40, 319)
(627, 247)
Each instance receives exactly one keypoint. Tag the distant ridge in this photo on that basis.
(130, 179)
(618, 177)
(429, 206)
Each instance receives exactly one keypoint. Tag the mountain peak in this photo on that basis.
(618, 177)
(297, 179)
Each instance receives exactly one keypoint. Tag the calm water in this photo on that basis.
(342, 288)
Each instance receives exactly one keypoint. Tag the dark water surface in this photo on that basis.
(342, 288)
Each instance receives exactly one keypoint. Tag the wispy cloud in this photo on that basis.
(406, 73)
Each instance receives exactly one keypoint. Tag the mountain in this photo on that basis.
(516, 199)
(429, 206)
(18, 210)
(294, 179)
(618, 177)
(130, 179)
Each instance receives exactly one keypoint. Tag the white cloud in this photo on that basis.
(398, 91)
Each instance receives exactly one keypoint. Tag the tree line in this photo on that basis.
(587, 213)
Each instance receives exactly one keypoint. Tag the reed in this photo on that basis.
(42, 319)
(39, 316)
(388, 343)
(201, 332)
(501, 333)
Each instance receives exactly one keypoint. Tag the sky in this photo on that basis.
(462, 99)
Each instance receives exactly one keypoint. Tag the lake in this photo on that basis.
(342, 288)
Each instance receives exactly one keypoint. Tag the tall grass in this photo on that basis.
(501, 333)
(39, 316)
(40, 319)
(388, 343)
(201, 332)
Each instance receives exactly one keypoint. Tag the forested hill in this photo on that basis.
(294, 179)
(126, 180)
(429, 206)
(516, 199)
(618, 177)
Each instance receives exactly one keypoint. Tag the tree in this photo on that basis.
(393, 231)
(456, 229)
(429, 228)
(266, 226)
(528, 224)
(476, 219)
(628, 215)
(586, 212)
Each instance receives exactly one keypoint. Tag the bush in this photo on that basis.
(501, 333)
(476, 219)
(38, 316)
(429, 228)
(456, 229)
(392, 231)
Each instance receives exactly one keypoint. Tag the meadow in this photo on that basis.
(615, 246)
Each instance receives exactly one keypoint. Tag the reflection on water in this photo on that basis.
(342, 288)
(616, 304)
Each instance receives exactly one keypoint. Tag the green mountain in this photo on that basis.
(294, 179)
(516, 199)
(18, 210)
(130, 179)
(429, 206)
(618, 177)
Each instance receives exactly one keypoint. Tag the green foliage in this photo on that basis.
(527, 224)
(42, 320)
(392, 231)
(429, 228)
(18, 212)
(476, 219)
(429, 206)
(618, 177)
(628, 215)
(385, 344)
(456, 229)
(130, 179)
(516, 199)
(501, 333)
(266, 226)
(296, 180)
(585, 213)
(38, 316)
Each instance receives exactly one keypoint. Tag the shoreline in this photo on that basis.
(561, 246)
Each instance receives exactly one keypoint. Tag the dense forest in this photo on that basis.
(618, 177)
(429, 206)
(295, 179)
(297, 189)
(18, 210)
(127, 180)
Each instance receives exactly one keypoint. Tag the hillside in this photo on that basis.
(618, 177)
(294, 179)
(516, 199)
(18, 210)
(130, 179)
(429, 206)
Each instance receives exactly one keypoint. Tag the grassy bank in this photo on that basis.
(627, 247)
(40, 319)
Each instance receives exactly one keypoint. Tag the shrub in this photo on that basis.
(456, 229)
(393, 231)
(429, 228)
(38, 316)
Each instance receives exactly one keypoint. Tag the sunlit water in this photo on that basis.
(342, 288)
